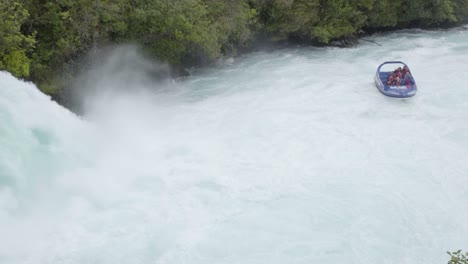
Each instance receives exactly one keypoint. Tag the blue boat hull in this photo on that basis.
(402, 91)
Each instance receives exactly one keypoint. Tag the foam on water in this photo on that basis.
(291, 156)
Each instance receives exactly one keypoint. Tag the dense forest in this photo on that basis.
(42, 40)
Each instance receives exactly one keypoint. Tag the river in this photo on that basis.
(278, 156)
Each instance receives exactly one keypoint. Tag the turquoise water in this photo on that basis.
(291, 156)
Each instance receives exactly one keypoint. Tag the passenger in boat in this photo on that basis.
(398, 81)
(407, 79)
(391, 79)
(405, 70)
(399, 72)
(406, 74)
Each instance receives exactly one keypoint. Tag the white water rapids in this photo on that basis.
(290, 156)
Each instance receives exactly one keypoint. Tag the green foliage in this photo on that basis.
(14, 45)
(67, 29)
(233, 21)
(384, 14)
(326, 20)
(427, 13)
(338, 19)
(184, 30)
(458, 257)
(17, 63)
(314, 20)
(171, 29)
(284, 19)
(460, 9)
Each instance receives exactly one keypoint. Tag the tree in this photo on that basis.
(461, 9)
(68, 29)
(284, 19)
(14, 45)
(458, 257)
(338, 19)
(427, 13)
(384, 14)
(234, 22)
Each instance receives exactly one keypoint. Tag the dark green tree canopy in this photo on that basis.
(15, 46)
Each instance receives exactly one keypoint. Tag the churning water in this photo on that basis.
(290, 156)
